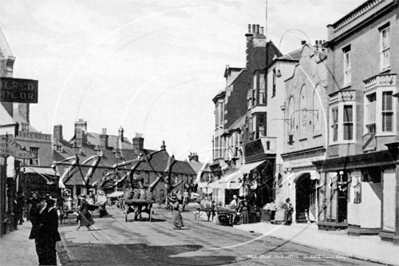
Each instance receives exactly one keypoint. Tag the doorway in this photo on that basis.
(305, 199)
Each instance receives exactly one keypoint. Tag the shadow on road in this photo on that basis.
(141, 254)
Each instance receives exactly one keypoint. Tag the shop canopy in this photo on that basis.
(38, 170)
(235, 180)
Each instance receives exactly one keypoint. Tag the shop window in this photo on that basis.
(372, 175)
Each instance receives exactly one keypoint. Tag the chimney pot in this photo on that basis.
(303, 42)
(249, 28)
(253, 28)
(261, 30)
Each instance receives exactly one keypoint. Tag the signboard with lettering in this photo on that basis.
(8, 146)
(18, 90)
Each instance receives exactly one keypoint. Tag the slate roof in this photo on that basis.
(159, 160)
(94, 139)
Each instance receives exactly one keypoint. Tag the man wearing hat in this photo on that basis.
(45, 231)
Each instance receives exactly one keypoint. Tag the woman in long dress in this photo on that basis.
(85, 217)
(288, 210)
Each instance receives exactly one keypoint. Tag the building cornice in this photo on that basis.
(320, 150)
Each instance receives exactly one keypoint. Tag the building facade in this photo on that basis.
(305, 109)
(361, 168)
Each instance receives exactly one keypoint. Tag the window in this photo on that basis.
(371, 111)
(255, 83)
(342, 117)
(221, 114)
(35, 151)
(316, 107)
(385, 48)
(303, 113)
(262, 89)
(387, 112)
(348, 122)
(260, 125)
(334, 123)
(217, 115)
(274, 83)
(347, 65)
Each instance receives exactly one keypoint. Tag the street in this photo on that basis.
(112, 241)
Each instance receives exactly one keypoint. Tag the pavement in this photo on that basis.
(17, 249)
(369, 248)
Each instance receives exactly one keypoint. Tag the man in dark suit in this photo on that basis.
(45, 232)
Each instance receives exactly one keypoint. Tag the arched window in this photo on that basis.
(303, 112)
(291, 119)
(317, 110)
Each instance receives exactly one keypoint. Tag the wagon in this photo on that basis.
(137, 206)
(226, 216)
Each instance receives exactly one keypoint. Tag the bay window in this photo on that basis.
(342, 117)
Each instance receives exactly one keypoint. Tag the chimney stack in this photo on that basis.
(120, 133)
(163, 146)
(57, 133)
(138, 142)
(103, 139)
(80, 131)
(193, 156)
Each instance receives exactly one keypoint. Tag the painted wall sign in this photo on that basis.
(8, 146)
(18, 90)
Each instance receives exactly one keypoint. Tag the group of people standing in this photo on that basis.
(44, 218)
(240, 204)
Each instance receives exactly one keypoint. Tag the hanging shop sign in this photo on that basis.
(9, 147)
(18, 90)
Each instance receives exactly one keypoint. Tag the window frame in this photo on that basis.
(341, 124)
(385, 50)
(347, 65)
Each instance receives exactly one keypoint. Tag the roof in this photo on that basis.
(293, 56)
(197, 166)
(238, 124)
(5, 118)
(5, 46)
(94, 139)
(20, 120)
(158, 161)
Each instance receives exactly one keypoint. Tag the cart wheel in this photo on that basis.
(126, 216)
(151, 212)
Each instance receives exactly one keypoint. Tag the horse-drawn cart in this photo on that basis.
(137, 206)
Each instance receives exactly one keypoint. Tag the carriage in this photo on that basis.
(138, 206)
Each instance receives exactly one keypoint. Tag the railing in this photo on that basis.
(34, 135)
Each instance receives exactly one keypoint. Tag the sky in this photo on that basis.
(149, 66)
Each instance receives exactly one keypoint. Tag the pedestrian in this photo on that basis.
(102, 200)
(212, 212)
(85, 218)
(45, 231)
(19, 208)
(177, 218)
(288, 210)
(243, 210)
(234, 205)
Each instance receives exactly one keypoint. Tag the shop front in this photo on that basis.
(360, 193)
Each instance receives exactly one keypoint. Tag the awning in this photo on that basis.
(245, 169)
(37, 170)
(235, 180)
